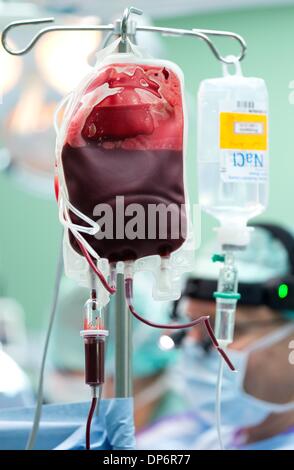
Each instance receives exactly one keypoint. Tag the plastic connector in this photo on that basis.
(227, 295)
(218, 258)
(226, 299)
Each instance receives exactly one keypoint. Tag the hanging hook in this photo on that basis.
(125, 19)
(237, 37)
(15, 24)
(44, 31)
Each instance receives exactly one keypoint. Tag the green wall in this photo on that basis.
(29, 226)
(29, 239)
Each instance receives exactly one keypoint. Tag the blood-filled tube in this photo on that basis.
(94, 336)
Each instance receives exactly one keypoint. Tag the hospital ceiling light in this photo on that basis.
(62, 57)
(11, 69)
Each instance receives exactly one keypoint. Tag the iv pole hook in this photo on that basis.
(15, 24)
(44, 31)
(125, 19)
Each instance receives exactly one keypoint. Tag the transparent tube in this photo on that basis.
(93, 315)
(225, 321)
(94, 342)
(226, 301)
(94, 360)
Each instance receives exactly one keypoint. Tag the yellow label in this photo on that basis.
(243, 131)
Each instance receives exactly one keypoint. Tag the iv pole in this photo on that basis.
(126, 28)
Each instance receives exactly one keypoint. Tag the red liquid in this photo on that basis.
(130, 144)
(150, 167)
(94, 360)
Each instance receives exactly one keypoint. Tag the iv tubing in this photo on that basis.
(129, 296)
(89, 421)
(218, 403)
(203, 319)
(226, 299)
(95, 403)
(98, 273)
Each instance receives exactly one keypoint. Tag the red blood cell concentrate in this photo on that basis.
(94, 360)
(130, 121)
(125, 138)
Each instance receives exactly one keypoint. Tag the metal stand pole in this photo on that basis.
(123, 343)
(123, 323)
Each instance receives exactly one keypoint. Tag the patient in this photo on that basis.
(257, 405)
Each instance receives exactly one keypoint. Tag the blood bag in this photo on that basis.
(232, 151)
(120, 166)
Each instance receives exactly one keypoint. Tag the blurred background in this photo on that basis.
(32, 85)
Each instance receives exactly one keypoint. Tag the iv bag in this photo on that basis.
(120, 164)
(232, 151)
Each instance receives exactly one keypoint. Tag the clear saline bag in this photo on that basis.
(233, 151)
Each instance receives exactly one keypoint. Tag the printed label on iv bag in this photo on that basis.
(243, 142)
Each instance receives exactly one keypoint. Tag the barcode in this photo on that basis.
(245, 104)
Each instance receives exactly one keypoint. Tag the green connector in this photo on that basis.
(227, 295)
(216, 257)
